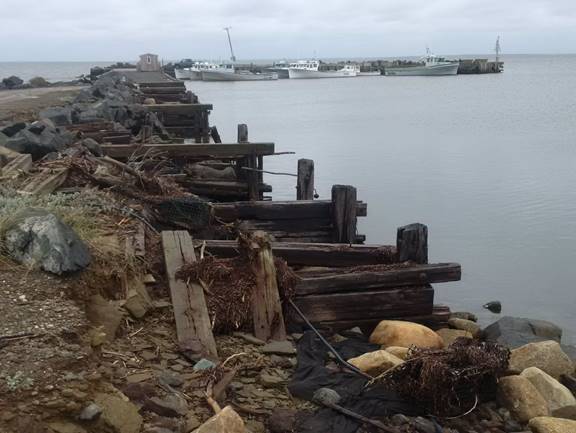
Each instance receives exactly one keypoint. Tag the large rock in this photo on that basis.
(514, 332)
(568, 412)
(521, 398)
(39, 139)
(465, 325)
(405, 334)
(39, 239)
(400, 352)
(556, 394)
(61, 116)
(546, 424)
(375, 363)
(450, 335)
(119, 415)
(226, 421)
(13, 82)
(546, 355)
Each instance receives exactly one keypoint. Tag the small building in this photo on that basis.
(148, 63)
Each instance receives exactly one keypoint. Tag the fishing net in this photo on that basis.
(449, 381)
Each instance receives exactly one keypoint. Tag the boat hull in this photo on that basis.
(304, 74)
(369, 74)
(234, 76)
(282, 72)
(184, 74)
(448, 69)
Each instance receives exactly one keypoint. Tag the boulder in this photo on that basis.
(118, 415)
(546, 424)
(61, 116)
(38, 82)
(568, 412)
(375, 363)
(521, 398)
(226, 421)
(400, 352)
(450, 335)
(37, 238)
(13, 82)
(464, 315)
(405, 334)
(39, 140)
(546, 355)
(514, 332)
(12, 129)
(465, 325)
(556, 394)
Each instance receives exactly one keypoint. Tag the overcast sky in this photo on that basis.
(264, 29)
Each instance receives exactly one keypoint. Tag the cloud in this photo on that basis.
(187, 27)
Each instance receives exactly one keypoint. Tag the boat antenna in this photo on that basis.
(232, 56)
(497, 49)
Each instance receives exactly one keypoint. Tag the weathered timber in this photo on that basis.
(167, 83)
(368, 280)
(178, 109)
(266, 307)
(277, 210)
(191, 151)
(242, 133)
(412, 243)
(190, 310)
(306, 254)
(222, 189)
(305, 180)
(45, 182)
(21, 163)
(251, 162)
(215, 134)
(380, 304)
(436, 320)
(164, 90)
(344, 213)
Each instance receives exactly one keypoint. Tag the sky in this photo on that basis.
(59, 30)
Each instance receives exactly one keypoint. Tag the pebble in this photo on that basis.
(279, 348)
(172, 379)
(90, 412)
(203, 364)
(399, 419)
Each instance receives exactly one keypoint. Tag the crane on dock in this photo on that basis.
(232, 56)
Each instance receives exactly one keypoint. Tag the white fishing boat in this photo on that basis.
(311, 69)
(433, 65)
(369, 74)
(194, 72)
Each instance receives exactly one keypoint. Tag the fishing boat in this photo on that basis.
(194, 72)
(228, 72)
(432, 66)
(280, 68)
(311, 69)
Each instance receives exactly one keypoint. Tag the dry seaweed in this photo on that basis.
(448, 381)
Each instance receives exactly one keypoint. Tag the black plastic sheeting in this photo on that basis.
(311, 375)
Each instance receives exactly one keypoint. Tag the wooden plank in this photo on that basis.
(190, 310)
(163, 90)
(211, 188)
(45, 182)
(412, 243)
(266, 307)
(344, 213)
(178, 108)
(377, 304)
(278, 210)
(22, 163)
(198, 151)
(368, 280)
(167, 83)
(306, 254)
(305, 180)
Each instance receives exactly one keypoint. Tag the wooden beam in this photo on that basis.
(178, 108)
(167, 83)
(45, 182)
(373, 279)
(412, 243)
(305, 180)
(272, 210)
(190, 310)
(266, 307)
(306, 254)
(164, 90)
(195, 151)
(344, 213)
(376, 304)
(21, 163)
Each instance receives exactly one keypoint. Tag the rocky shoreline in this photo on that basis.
(88, 341)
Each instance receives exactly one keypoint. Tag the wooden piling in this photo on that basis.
(251, 161)
(305, 182)
(412, 243)
(266, 307)
(344, 214)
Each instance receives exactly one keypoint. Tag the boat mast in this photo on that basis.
(232, 56)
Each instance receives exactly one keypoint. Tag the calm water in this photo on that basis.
(488, 162)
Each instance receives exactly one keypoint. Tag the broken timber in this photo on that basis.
(191, 151)
(45, 182)
(190, 310)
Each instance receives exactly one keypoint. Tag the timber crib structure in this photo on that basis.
(342, 283)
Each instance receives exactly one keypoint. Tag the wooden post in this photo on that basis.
(412, 243)
(305, 182)
(190, 310)
(344, 214)
(266, 307)
(215, 135)
(251, 176)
